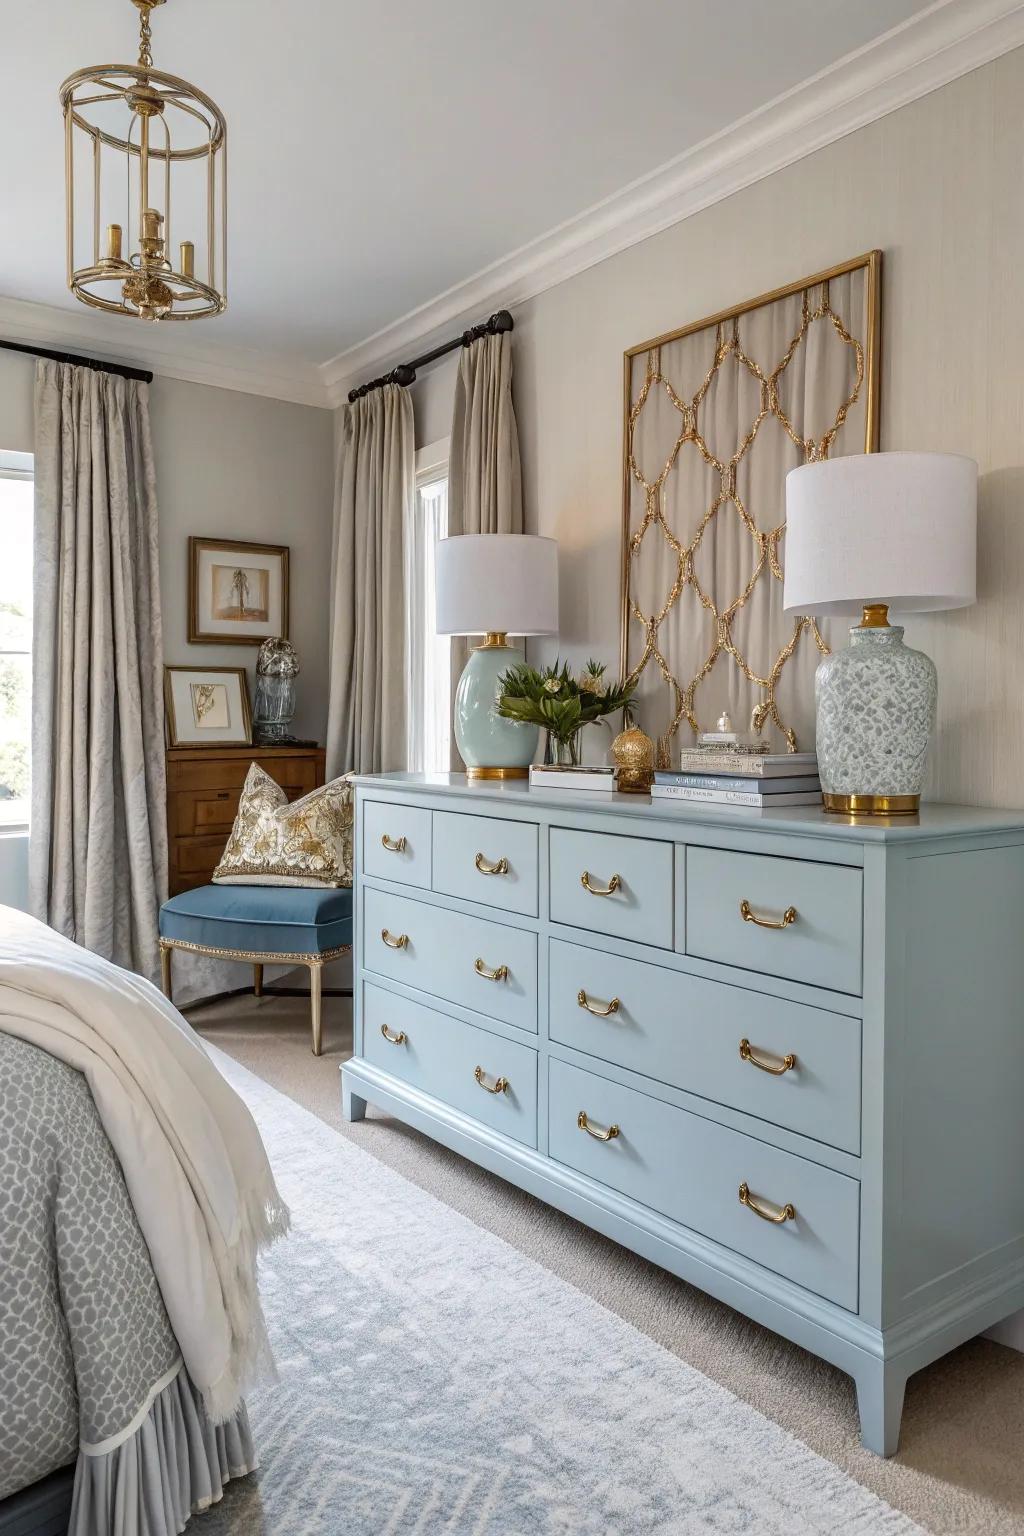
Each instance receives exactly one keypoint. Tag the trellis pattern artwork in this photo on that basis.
(716, 415)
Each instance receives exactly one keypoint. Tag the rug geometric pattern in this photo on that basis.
(435, 1380)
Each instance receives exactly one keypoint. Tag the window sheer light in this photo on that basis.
(15, 637)
(428, 654)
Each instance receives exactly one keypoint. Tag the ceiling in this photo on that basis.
(382, 153)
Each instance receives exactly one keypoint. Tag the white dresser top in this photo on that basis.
(936, 819)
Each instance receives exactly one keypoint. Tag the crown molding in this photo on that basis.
(160, 349)
(948, 39)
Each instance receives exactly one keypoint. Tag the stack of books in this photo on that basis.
(764, 781)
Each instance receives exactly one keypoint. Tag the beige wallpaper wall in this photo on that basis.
(938, 187)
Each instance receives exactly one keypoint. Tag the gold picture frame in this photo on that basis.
(207, 707)
(683, 642)
(237, 592)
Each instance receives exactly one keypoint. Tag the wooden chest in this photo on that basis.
(203, 786)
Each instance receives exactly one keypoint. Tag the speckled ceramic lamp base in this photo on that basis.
(876, 706)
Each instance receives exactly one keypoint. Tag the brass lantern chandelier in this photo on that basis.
(132, 136)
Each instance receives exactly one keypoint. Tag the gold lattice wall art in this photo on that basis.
(716, 414)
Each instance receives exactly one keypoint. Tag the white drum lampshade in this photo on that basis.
(878, 530)
(497, 583)
(494, 584)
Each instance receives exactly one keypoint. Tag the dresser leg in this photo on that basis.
(880, 1392)
(352, 1106)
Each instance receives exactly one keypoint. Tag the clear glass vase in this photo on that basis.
(564, 753)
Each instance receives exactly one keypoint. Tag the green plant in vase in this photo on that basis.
(559, 702)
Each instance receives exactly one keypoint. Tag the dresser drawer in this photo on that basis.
(708, 1038)
(616, 885)
(469, 960)
(691, 1170)
(396, 843)
(820, 943)
(487, 860)
(453, 1061)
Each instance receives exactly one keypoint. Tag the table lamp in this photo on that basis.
(494, 584)
(876, 530)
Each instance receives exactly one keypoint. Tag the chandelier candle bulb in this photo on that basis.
(114, 243)
(187, 262)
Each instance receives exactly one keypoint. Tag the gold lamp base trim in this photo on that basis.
(497, 773)
(872, 805)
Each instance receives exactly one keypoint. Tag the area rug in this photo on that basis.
(434, 1380)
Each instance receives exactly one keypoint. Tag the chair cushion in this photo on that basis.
(306, 843)
(260, 919)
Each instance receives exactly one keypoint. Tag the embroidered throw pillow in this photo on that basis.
(274, 842)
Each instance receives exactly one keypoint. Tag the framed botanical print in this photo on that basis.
(237, 592)
(207, 706)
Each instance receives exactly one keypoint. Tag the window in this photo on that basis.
(15, 636)
(428, 654)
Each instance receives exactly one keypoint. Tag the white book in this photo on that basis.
(733, 797)
(766, 765)
(546, 776)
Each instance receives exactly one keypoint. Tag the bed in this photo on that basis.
(133, 1204)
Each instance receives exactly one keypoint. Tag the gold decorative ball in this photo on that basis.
(633, 754)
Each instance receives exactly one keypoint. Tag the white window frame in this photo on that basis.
(16, 466)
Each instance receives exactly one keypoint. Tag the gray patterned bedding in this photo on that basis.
(89, 1367)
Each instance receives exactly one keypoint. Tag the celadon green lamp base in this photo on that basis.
(491, 748)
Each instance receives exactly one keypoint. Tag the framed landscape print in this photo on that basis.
(237, 592)
(207, 706)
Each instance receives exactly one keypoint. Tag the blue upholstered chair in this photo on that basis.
(263, 925)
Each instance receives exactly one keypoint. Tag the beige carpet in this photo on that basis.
(961, 1463)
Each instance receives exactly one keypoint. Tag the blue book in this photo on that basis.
(803, 783)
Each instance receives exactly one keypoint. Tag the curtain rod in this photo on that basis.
(121, 369)
(405, 373)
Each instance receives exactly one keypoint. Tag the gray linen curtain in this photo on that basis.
(374, 488)
(98, 836)
(485, 481)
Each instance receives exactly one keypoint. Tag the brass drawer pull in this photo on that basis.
(747, 1054)
(500, 972)
(599, 890)
(393, 845)
(399, 1039)
(392, 942)
(501, 1084)
(750, 916)
(501, 868)
(585, 1125)
(787, 1213)
(595, 1009)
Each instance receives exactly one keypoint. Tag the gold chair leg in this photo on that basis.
(165, 969)
(315, 969)
(257, 981)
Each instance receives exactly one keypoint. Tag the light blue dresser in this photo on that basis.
(778, 1054)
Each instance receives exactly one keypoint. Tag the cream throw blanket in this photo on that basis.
(192, 1157)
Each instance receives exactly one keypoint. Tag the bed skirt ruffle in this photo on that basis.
(174, 1464)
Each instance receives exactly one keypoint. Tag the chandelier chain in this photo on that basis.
(145, 39)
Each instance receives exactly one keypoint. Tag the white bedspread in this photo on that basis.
(193, 1160)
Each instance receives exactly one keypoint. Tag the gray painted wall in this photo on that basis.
(228, 465)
